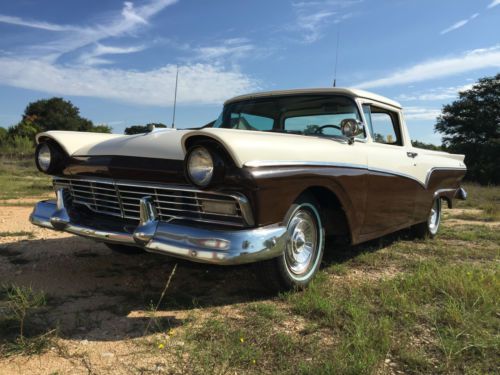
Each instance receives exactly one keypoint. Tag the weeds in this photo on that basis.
(20, 304)
(153, 309)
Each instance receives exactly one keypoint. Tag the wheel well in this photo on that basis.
(332, 212)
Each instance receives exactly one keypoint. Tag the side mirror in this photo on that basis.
(351, 128)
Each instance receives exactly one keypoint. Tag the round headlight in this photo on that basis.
(44, 157)
(200, 166)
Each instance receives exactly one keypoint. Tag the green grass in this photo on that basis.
(415, 306)
(20, 178)
(456, 305)
(486, 198)
(20, 233)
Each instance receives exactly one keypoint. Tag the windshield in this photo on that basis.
(318, 115)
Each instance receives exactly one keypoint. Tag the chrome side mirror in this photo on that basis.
(351, 128)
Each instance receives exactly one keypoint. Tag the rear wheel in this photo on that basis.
(124, 249)
(300, 261)
(430, 228)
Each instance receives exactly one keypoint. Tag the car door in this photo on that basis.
(391, 188)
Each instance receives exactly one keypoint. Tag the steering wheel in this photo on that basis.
(319, 130)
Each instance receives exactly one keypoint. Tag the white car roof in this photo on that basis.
(327, 90)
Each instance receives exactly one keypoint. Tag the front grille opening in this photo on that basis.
(121, 199)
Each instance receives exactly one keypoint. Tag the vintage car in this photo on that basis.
(266, 182)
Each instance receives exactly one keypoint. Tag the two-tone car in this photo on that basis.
(266, 182)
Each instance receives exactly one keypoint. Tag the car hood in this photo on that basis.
(246, 147)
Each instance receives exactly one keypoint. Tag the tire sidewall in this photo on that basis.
(433, 232)
(291, 280)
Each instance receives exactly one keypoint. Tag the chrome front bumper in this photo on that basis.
(225, 247)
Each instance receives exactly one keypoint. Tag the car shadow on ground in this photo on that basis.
(96, 294)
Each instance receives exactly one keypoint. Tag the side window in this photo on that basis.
(384, 126)
(246, 121)
(310, 125)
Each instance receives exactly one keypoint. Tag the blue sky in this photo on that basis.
(117, 60)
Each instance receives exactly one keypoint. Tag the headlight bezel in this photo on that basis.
(217, 166)
(56, 161)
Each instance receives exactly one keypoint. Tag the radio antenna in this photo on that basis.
(175, 96)
(336, 59)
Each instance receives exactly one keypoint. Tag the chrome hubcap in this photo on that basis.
(435, 216)
(302, 246)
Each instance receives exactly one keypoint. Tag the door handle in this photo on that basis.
(411, 154)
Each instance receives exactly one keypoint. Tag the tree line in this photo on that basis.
(40, 116)
(470, 125)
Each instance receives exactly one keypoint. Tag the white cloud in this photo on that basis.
(92, 57)
(36, 24)
(314, 16)
(421, 113)
(441, 67)
(494, 3)
(233, 49)
(459, 24)
(128, 21)
(39, 67)
(439, 93)
(198, 83)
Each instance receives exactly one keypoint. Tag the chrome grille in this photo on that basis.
(121, 199)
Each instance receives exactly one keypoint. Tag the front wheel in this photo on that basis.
(301, 259)
(430, 228)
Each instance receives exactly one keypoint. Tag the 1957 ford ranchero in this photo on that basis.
(265, 182)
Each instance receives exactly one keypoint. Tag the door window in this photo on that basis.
(384, 126)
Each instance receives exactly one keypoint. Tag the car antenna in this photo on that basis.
(336, 59)
(175, 96)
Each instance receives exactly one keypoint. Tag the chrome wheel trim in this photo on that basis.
(305, 241)
(434, 217)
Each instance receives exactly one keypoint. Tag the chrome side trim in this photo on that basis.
(296, 163)
(292, 163)
(429, 173)
(223, 247)
(443, 191)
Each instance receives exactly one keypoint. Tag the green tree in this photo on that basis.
(101, 129)
(56, 114)
(471, 126)
(25, 128)
(3, 135)
(138, 129)
(427, 146)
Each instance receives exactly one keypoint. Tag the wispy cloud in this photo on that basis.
(93, 57)
(87, 69)
(198, 83)
(126, 22)
(494, 3)
(36, 24)
(441, 67)
(233, 49)
(314, 16)
(459, 24)
(421, 113)
(438, 93)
